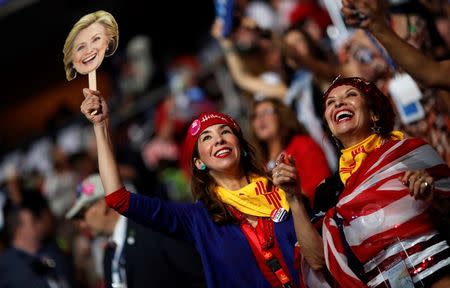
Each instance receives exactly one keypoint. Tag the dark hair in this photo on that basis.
(377, 102)
(316, 50)
(289, 128)
(203, 185)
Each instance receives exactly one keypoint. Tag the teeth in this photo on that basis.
(89, 59)
(223, 151)
(343, 114)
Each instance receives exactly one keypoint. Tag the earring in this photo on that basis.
(375, 128)
(202, 167)
(244, 153)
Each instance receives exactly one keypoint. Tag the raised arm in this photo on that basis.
(243, 79)
(311, 245)
(371, 15)
(109, 172)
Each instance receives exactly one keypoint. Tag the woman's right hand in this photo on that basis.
(364, 14)
(94, 107)
(284, 175)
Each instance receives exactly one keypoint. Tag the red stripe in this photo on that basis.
(355, 208)
(372, 246)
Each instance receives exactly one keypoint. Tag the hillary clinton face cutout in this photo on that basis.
(89, 48)
(93, 37)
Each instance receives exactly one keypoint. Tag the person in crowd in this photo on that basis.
(131, 248)
(22, 264)
(375, 233)
(267, 78)
(241, 224)
(276, 129)
(371, 15)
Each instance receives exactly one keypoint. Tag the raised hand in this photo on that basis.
(367, 14)
(285, 176)
(93, 101)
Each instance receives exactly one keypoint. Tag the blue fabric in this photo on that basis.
(227, 258)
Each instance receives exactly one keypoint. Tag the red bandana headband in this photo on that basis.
(204, 121)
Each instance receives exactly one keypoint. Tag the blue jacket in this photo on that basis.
(227, 258)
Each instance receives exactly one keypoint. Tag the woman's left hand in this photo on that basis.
(284, 175)
(420, 184)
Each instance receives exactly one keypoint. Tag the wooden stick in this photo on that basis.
(93, 85)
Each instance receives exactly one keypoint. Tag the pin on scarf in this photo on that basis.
(278, 215)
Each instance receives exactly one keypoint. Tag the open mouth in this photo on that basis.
(89, 59)
(343, 115)
(222, 153)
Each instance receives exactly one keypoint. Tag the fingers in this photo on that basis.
(88, 92)
(285, 170)
(92, 103)
(419, 183)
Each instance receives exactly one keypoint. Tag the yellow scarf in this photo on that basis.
(352, 157)
(254, 198)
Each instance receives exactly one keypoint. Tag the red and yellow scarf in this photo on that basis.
(353, 156)
(259, 198)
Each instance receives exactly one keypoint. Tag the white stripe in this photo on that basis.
(392, 185)
(340, 258)
(427, 272)
(431, 158)
(396, 248)
(381, 276)
(385, 154)
(420, 158)
(396, 213)
(418, 257)
(325, 245)
(443, 184)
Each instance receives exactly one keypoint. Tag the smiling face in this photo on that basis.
(265, 121)
(219, 150)
(89, 48)
(348, 115)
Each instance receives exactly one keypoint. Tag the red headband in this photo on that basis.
(200, 124)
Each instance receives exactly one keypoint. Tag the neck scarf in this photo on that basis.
(259, 198)
(353, 156)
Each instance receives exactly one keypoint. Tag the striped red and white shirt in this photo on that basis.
(382, 223)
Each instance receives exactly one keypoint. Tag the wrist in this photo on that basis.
(378, 26)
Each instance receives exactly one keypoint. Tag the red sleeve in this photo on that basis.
(119, 200)
(310, 161)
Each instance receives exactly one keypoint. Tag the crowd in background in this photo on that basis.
(277, 61)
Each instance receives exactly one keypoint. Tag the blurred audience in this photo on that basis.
(131, 248)
(276, 130)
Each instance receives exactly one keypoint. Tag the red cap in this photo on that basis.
(200, 124)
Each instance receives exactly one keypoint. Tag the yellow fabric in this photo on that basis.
(254, 198)
(353, 156)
